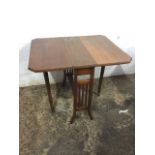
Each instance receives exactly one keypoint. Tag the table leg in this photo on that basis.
(90, 93)
(64, 78)
(48, 90)
(100, 79)
(68, 74)
(82, 91)
(74, 112)
(75, 99)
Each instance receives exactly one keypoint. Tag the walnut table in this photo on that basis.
(76, 56)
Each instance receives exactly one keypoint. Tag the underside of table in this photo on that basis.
(82, 88)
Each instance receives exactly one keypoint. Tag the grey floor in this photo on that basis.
(112, 132)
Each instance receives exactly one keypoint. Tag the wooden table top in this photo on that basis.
(49, 54)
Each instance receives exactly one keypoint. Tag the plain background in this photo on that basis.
(22, 20)
(75, 18)
(28, 78)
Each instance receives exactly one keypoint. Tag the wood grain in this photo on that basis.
(104, 52)
(48, 54)
(78, 53)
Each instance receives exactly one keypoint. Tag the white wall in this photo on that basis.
(75, 18)
(30, 78)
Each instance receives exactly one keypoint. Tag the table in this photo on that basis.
(76, 56)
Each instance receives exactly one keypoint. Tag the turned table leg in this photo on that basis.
(100, 80)
(48, 90)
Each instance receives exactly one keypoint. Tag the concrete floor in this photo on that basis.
(112, 132)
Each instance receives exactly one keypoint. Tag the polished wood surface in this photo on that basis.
(76, 56)
(48, 54)
(104, 52)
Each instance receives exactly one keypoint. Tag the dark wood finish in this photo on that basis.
(82, 91)
(90, 93)
(75, 99)
(50, 54)
(100, 80)
(75, 54)
(83, 71)
(48, 90)
(68, 73)
(64, 78)
(103, 51)
(80, 56)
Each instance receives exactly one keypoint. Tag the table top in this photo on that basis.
(49, 54)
